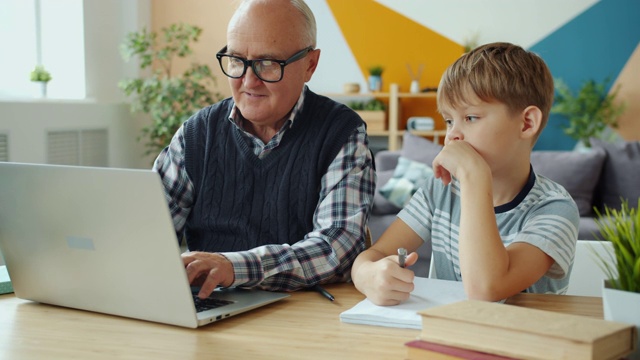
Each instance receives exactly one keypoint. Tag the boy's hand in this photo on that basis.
(387, 283)
(457, 159)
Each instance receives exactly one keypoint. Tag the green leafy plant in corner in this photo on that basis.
(590, 111)
(40, 74)
(170, 99)
(622, 228)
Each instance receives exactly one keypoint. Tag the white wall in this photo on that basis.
(520, 22)
(27, 120)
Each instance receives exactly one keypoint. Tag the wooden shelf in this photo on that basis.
(358, 95)
(394, 133)
(430, 94)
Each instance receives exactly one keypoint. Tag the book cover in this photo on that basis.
(420, 349)
(526, 333)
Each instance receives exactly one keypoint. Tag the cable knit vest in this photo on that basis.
(241, 201)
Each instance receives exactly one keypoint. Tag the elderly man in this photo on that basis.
(273, 187)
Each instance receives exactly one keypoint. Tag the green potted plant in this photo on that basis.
(169, 98)
(372, 113)
(621, 291)
(375, 78)
(590, 111)
(41, 76)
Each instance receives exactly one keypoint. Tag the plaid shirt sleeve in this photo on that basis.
(178, 187)
(328, 251)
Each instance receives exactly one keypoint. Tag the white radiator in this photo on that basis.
(85, 147)
(4, 147)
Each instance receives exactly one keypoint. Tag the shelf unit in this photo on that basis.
(393, 132)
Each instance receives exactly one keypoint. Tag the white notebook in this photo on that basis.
(426, 294)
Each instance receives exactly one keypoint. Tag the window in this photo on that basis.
(50, 33)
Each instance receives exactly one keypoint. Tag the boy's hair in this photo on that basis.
(500, 72)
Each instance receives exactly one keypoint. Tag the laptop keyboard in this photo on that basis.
(209, 303)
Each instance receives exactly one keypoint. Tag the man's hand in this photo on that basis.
(208, 270)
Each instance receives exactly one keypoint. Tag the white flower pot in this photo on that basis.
(622, 306)
(375, 83)
(40, 89)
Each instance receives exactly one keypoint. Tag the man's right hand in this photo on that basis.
(208, 270)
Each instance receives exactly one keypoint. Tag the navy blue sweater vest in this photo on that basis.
(241, 201)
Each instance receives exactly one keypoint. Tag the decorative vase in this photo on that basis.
(415, 87)
(43, 89)
(375, 83)
(622, 306)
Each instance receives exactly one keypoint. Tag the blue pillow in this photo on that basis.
(407, 178)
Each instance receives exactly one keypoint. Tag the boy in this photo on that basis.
(494, 224)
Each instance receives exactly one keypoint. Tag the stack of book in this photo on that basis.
(474, 329)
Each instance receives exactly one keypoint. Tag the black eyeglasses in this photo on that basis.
(267, 70)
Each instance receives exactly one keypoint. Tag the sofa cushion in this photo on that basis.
(620, 174)
(576, 171)
(417, 148)
(408, 176)
(381, 205)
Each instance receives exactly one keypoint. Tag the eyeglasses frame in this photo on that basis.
(251, 63)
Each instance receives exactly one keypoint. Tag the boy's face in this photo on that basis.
(489, 127)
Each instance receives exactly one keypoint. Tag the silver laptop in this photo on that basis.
(102, 239)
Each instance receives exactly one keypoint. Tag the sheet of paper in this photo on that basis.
(427, 293)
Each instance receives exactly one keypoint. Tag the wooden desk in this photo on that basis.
(306, 326)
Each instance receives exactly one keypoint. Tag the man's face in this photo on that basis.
(265, 31)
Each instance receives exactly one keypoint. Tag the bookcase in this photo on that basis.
(395, 128)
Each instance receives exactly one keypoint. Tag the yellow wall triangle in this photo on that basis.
(378, 35)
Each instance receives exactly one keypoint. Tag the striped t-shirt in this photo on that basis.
(543, 214)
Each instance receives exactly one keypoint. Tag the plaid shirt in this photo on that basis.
(346, 198)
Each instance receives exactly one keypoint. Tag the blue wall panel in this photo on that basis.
(595, 45)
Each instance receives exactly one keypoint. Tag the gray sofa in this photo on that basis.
(601, 176)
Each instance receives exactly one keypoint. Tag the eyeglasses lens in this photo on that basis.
(266, 70)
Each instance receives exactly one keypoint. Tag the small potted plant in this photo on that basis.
(372, 113)
(42, 76)
(375, 78)
(471, 42)
(621, 291)
(590, 112)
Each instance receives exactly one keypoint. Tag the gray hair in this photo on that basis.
(309, 19)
